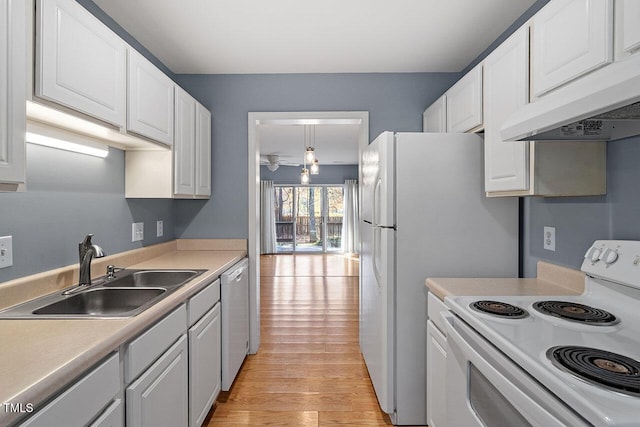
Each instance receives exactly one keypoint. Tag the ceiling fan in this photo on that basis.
(273, 161)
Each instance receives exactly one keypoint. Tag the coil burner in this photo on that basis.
(610, 370)
(501, 309)
(576, 312)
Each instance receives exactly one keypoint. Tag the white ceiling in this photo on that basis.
(300, 36)
(334, 144)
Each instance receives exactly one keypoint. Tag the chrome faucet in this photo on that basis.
(87, 252)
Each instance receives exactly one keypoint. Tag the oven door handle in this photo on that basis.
(523, 403)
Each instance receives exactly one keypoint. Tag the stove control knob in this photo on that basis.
(609, 256)
(593, 254)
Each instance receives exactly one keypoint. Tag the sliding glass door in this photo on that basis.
(309, 218)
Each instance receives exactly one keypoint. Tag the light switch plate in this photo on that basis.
(159, 228)
(6, 251)
(550, 238)
(137, 231)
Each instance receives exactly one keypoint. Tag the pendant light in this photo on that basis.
(310, 152)
(304, 176)
(315, 167)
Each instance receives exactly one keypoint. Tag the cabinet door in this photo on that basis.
(12, 93)
(204, 365)
(185, 144)
(113, 416)
(159, 397)
(464, 102)
(569, 39)
(505, 90)
(149, 100)
(80, 63)
(627, 26)
(203, 151)
(436, 378)
(434, 119)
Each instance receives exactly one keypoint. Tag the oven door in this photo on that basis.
(485, 388)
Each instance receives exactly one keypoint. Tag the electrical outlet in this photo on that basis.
(159, 229)
(550, 238)
(137, 231)
(6, 251)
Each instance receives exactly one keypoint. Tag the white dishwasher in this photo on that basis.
(234, 300)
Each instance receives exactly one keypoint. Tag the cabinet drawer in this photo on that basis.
(203, 301)
(144, 350)
(81, 402)
(434, 307)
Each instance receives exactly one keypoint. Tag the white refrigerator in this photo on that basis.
(424, 214)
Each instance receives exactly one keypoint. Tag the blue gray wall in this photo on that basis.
(581, 220)
(329, 174)
(395, 102)
(69, 195)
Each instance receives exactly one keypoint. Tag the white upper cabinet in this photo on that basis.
(12, 93)
(627, 23)
(506, 88)
(434, 118)
(203, 151)
(149, 99)
(80, 63)
(185, 144)
(192, 148)
(569, 39)
(464, 102)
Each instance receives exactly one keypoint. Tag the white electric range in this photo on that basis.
(551, 361)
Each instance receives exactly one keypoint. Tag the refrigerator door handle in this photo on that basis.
(377, 232)
(376, 198)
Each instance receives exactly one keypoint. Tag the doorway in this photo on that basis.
(309, 219)
(257, 119)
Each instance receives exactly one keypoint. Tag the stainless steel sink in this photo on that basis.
(103, 302)
(151, 278)
(129, 293)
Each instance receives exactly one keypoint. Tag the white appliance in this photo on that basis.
(234, 301)
(552, 361)
(424, 214)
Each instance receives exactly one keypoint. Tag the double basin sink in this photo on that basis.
(126, 295)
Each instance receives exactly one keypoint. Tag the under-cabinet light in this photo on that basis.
(48, 141)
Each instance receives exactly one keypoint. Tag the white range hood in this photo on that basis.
(601, 106)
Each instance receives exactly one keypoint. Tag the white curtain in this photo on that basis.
(267, 218)
(350, 232)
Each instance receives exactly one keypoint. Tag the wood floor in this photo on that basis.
(308, 370)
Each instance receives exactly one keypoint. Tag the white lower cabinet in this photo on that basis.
(159, 397)
(85, 400)
(205, 355)
(436, 363)
(436, 381)
(113, 416)
(204, 365)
